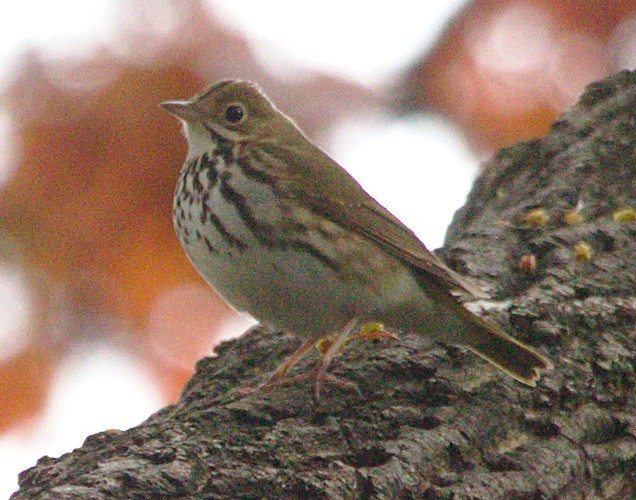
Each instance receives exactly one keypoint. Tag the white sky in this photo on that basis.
(419, 169)
(365, 41)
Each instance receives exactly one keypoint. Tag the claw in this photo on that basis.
(320, 376)
(318, 373)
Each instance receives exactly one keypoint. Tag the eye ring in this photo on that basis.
(234, 114)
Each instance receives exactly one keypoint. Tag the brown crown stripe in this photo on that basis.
(215, 88)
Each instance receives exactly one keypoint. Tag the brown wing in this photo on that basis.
(373, 221)
(333, 193)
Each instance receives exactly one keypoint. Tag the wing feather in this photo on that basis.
(353, 208)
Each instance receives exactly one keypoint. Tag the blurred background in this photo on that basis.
(101, 316)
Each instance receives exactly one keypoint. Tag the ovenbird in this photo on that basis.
(284, 233)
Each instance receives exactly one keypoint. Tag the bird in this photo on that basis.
(285, 234)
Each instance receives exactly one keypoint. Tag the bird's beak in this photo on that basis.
(186, 110)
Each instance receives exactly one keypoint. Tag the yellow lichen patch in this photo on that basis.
(583, 252)
(625, 216)
(572, 217)
(537, 217)
(324, 344)
(513, 441)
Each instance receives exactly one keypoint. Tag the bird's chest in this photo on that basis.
(218, 210)
(236, 232)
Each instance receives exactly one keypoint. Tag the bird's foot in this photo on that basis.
(320, 377)
(373, 331)
(369, 331)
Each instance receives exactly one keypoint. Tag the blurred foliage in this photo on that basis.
(504, 70)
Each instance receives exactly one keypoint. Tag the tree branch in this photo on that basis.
(434, 422)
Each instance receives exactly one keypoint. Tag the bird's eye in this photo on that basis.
(234, 113)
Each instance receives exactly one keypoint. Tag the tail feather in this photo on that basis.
(506, 353)
(455, 324)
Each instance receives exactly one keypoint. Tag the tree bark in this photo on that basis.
(434, 421)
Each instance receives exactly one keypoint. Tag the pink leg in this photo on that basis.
(290, 362)
(319, 373)
(278, 376)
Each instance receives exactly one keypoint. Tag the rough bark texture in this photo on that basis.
(433, 422)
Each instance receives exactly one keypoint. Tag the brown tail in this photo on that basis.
(506, 353)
